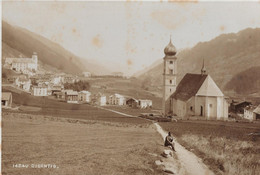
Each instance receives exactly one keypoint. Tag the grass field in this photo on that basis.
(61, 109)
(130, 110)
(78, 147)
(226, 147)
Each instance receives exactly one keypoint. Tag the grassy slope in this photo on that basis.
(77, 148)
(62, 109)
(49, 53)
(235, 152)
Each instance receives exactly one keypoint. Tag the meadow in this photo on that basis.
(226, 147)
(53, 107)
(78, 146)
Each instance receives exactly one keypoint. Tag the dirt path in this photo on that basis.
(191, 163)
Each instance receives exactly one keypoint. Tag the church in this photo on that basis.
(23, 64)
(195, 95)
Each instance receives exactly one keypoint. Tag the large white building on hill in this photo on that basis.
(23, 64)
(195, 95)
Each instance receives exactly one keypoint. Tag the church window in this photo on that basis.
(170, 81)
(191, 108)
(171, 71)
(171, 62)
(170, 90)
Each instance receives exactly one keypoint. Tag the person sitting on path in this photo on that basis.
(169, 141)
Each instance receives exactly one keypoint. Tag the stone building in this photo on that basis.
(23, 65)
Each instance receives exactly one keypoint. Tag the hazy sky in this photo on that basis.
(129, 36)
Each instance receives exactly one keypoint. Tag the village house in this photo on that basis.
(145, 103)
(117, 74)
(257, 112)
(99, 99)
(61, 95)
(55, 88)
(195, 95)
(71, 96)
(85, 96)
(6, 99)
(40, 90)
(252, 112)
(23, 82)
(132, 102)
(117, 99)
(23, 64)
(237, 106)
(86, 74)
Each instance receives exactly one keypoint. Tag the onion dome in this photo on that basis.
(170, 49)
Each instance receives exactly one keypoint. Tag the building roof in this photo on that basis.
(142, 100)
(23, 61)
(117, 95)
(257, 110)
(238, 102)
(250, 108)
(6, 95)
(72, 93)
(40, 86)
(85, 92)
(189, 86)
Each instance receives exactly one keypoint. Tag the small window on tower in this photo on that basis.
(171, 62)
(171, 71)
(170, 90)
(170, 81)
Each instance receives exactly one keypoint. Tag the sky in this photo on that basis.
(129, 36)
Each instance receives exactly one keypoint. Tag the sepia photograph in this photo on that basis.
(130, 87)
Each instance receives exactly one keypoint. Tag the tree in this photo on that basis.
(78, 86)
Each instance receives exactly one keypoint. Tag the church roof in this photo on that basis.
(170, 49)
(22, 60)
(189, 86)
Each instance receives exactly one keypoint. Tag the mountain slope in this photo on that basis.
(247, 81)
(18, 41)
(225, 56)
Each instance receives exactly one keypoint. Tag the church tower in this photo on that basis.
(169, 76)
(35, 60)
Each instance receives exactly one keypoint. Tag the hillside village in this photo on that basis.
(149, 88)
(53, 85)
(179, 100)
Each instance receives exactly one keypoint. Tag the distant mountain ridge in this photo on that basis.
(19, 41)
(226, 56)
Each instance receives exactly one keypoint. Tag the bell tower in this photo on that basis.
(169, 76)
